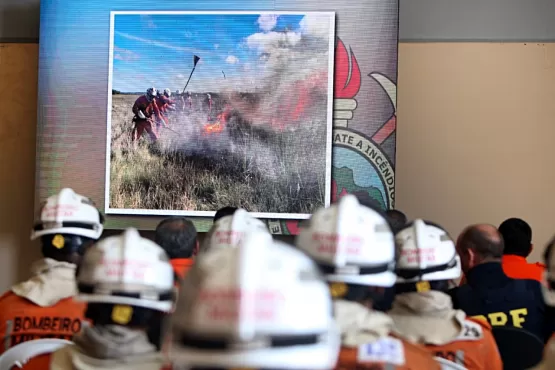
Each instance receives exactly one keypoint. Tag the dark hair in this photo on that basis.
(483, 243)
(396, 218)
(177, 236)
(517, 235)
(226, 211)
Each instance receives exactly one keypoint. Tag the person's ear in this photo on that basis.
(531, 249)
(197, 247)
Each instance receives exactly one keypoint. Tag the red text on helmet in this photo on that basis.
(328, 243)
(65, 210)
(137, 269)
(228, 237)
(419, 255)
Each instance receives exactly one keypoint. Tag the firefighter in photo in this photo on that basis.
(147, 114)
(355, 248)
(127, 282)
(228, 231)
(43, 306)
(164, 101)
(209, 100)
(261, 305)
(189, 100)
(422, 310)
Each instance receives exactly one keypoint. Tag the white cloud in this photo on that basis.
(160, 44)
(232, 59)
(267, 22)
(149, 22)
(216, 46)
(264, 42)
(188, 34)
(315, 25)
(124, 54)
(180, 76)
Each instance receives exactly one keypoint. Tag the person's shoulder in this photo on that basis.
(484, 325)
(41, 362)
(417, 354)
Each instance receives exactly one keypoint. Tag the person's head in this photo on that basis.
(261, 305)
(67, 225)
(517, 236)
(229, 230)
(223, 212)
(126, 280)
(426, 258)
(478, 244)
(549, 261)
(151, 93)
(397, 219)
(354, 246)
(178, 237)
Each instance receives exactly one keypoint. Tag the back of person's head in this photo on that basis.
(427, 258)
(549, 261)
(479, 243)
(517, 236)
(177, 236)
(260, 305)
(354, 246)
(397, 219)
(223, 212)
(126, 280)
(67, 225)
(229, 230)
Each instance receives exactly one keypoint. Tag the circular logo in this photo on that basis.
(360, 167)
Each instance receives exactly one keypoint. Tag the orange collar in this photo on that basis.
(513, 258)
(181, 266)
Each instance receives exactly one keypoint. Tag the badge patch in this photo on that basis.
(470, 331)
(58, 241)
(122, 314)
(386, 350)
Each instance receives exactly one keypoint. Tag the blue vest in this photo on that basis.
(489, 294)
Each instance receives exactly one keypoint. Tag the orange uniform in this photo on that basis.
(517, 267)
(181, 266)
(22, 320)
(389, 353)
(43, 362)
(470, 349)
(164, 103)
(152, 112)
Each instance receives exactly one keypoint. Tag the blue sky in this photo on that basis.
(158, 49)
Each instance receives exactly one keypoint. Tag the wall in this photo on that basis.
(475, 134)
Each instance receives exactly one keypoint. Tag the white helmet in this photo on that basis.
(151, 92)
(129, 270)
(426, 253)
(263, 304)
(549, 274)
(228, 231)
(18, 355)
(69, 213)
(352, 243)
(167, 92)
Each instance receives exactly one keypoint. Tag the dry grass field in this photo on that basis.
(249, 163)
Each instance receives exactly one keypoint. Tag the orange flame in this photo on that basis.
(218, 126)
(347, 73)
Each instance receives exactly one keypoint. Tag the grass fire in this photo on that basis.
(259, 151)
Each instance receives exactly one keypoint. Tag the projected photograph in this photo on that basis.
(211, 109)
